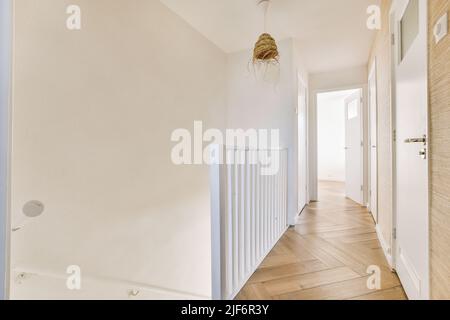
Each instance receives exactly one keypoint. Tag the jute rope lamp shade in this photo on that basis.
(266, 49)
(266, 56)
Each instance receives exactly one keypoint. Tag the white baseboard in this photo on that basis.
(39, 284)
(385, 246)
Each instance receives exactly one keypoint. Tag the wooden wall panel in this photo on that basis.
(439, 88)
(381, 51)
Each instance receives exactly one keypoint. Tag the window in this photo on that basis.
(409, 27)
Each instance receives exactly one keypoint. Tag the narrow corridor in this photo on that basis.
(325, 256)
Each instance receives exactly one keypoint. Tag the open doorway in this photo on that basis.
(340, 144)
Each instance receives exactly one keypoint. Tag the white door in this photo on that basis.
(373, 140)
(412, 253)
(302, 148)
(354, 148)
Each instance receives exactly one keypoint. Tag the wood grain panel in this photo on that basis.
(381, 51)
(439, 98)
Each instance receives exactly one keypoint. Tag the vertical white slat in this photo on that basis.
(280, 202)
(242, 219)
(261, 213)
(285, 155)
(282, 214)
(248, 227)
(266, 216)
(283, 191)
(266, 243)
(274, 206)
(236, 225)
(277, 202)
(217, 270)
(280, 191)
(264, 213)
(270, 210)
(258, 212)
(229, 233)
(252, 214)
(269, 225)
(274, 213)
(267, 196)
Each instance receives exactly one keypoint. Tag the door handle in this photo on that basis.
(417, 140)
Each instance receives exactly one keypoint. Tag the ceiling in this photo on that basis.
(332, 34)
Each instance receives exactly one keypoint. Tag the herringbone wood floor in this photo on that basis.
(325, 256)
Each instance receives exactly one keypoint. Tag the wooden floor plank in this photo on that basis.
(267, 274)
(396, 293)
(309, 280)
(279, 260)
(336, 291)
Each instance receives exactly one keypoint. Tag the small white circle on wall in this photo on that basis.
(33, 209)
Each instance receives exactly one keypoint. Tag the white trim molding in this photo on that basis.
(385, 246)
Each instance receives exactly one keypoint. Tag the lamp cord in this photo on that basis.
(266, 4)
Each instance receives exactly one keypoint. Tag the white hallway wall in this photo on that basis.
(93, 114)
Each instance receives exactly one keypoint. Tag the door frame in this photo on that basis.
(313, 126)
(6, 62)
(303, 86)
(394, 31)
(372, 76)
(362, 200)
(393, 146)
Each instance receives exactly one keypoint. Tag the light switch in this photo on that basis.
(441, 28)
